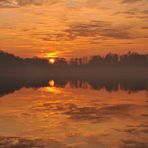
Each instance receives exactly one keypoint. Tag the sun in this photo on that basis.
(51, 61)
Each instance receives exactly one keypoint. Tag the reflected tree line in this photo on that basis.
(10, 85)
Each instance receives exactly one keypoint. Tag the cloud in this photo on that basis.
(145, 27)
(134, 144)
(22, 142)
(8, 4)
(130, 1)
(94, 30)
(19, 3)
(145, 12)
(51, 37)
(133, 14)
(97, 29)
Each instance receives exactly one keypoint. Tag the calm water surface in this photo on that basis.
(74, 118)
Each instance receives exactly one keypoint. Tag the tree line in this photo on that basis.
(131, 59)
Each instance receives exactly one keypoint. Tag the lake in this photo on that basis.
(74, 114)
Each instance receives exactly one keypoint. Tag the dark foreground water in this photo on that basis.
(74, 115)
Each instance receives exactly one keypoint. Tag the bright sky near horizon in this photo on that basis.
(70, 28)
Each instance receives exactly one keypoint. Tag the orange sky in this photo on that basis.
(73, 27)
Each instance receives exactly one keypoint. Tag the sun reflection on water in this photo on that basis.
(51, 83)
(51, 88)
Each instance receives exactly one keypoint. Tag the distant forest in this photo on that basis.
(128, 65)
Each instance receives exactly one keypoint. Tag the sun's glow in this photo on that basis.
(51, 54)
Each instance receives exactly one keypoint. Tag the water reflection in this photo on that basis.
(73, 114)
(51, 83)
(10, 85)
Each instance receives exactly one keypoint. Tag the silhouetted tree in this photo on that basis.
(60, 62)
(96, 61)
(134, 59)
(111, 60)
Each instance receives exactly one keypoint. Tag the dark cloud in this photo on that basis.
(131, 13)
(97, 29)
(130, 1)
(134, 144)
(16, 142)
(51, 37)
(145, 12)
(134, 130)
